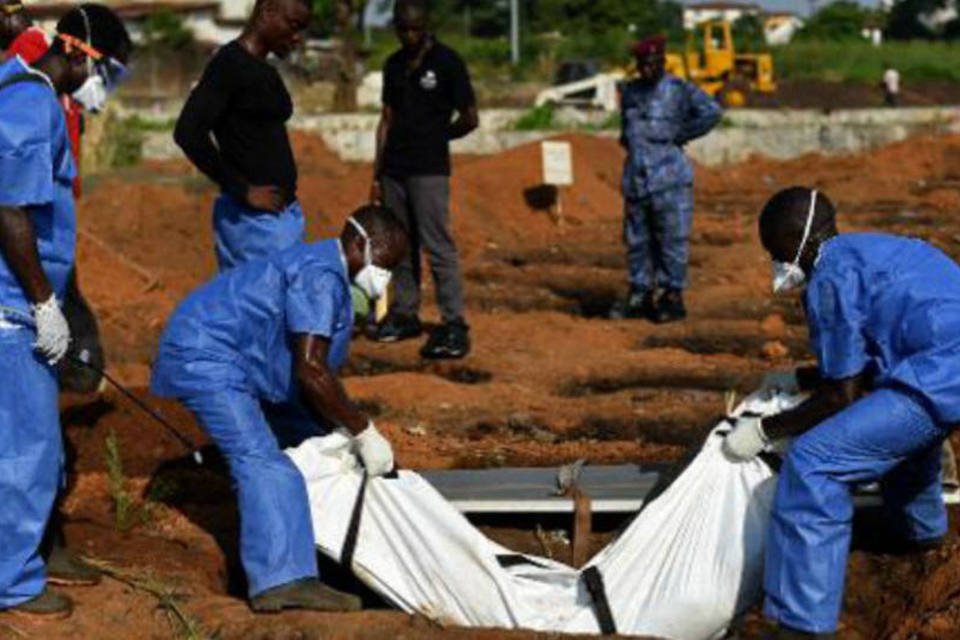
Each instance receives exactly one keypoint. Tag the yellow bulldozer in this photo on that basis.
(714, 65)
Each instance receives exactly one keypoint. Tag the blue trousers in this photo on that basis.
(31, 457)
(656, 230)
(276, 534)
(242, 234)
(887, 436)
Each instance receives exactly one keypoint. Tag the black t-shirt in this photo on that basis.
(423, 101)
(242, 101)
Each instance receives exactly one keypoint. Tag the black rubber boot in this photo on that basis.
(450, 341)
(670, 307)
(308, 593)
(396, 327)
(639, 304)
(48, 605)
(67, 570)
(786, 633)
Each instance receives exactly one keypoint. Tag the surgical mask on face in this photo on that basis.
(371, 279)
(789, 276)
(92, 94)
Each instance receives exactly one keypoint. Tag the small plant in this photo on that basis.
(536, 119)
(123, 504)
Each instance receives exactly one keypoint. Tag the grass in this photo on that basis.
(123, 503)
(168, 598)
(840, 61)
(863, 62)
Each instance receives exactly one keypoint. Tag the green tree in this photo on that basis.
(165, 30)
(748, 33)
(841, 20)
(904, 22)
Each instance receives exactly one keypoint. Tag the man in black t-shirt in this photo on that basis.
(424, 84)
(242, 101)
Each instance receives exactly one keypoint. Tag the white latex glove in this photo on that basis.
(53, 332)
(745, 441)
(374, 451)
(785, 381)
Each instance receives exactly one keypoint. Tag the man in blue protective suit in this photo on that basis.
(37, 242)
(884, 319)
(660, 113)
(254, 355)
(243, 105)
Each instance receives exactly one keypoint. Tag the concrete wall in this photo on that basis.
(775, 134)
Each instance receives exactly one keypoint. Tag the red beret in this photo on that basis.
(651, 46)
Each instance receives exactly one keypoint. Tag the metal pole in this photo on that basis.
(515, 32)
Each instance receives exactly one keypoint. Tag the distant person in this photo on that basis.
(660, 114)
(242, 103)
(37, 245)
(273, 333)
(424, 84)
(18, 35)
(891, 86)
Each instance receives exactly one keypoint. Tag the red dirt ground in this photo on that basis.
(548, 381)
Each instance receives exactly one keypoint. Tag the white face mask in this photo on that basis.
(371, 279)
(92, 94)
(789, 276)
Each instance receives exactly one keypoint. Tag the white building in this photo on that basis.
(212, 22)
(779, 28)
(694, 14)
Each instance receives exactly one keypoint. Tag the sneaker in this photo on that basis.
(67, 570)
(451, 340)
(49, 605)
(670, 308)
(308, 593)
(639, 304)
(396, 327)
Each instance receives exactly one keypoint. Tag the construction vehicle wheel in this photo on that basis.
(734, 93)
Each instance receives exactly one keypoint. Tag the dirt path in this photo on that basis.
(549, 380)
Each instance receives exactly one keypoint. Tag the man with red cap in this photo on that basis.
(660, 113)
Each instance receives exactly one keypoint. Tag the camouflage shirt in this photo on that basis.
(656, 122)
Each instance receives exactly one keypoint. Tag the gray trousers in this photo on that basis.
(422, 205)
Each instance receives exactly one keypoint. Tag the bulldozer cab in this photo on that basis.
(711, 62)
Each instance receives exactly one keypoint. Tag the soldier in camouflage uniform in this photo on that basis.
(660, 113)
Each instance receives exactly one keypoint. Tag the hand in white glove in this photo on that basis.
(785, 381)
(374, 451)
(53, 332)
(745, 441)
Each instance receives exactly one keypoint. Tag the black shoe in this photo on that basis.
(396, 327)
(786, 633)
(308, 593)
(639, 304)
(450, 340)
(67, 570)
(49, 605)
(670, 308)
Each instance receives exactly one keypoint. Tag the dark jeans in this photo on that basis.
(422, 205)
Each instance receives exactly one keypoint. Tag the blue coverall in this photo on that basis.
(226, 354)
(242, 233)
(657, 184)
(36, 174)
(888, 307)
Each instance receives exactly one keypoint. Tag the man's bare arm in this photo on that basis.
(829, 397)
(18, 243)
(321, 387)
(466, 121)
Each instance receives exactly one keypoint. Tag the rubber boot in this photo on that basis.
(64, 568)
(308, 593)
(670, 307)
(49, 605)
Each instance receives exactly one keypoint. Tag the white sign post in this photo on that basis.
(557, 169)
